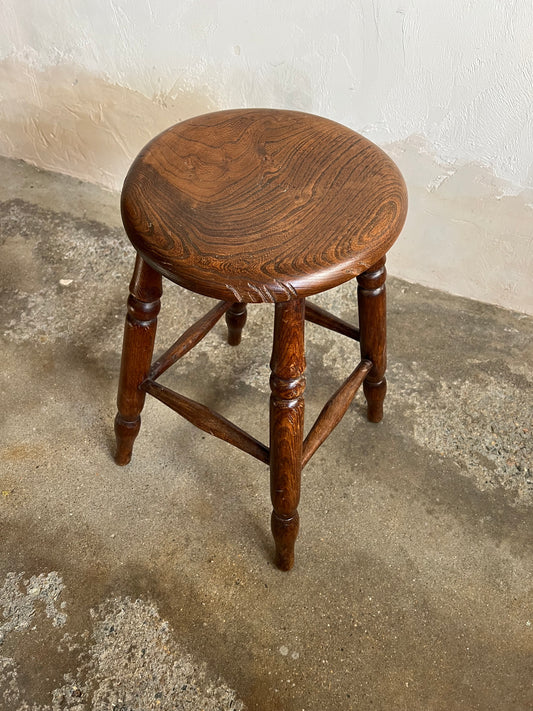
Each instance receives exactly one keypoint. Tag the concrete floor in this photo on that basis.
(152, 587)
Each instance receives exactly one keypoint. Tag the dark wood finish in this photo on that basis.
(373, 335)
(137, 349)
(334, 410)
(316, 314)
(235, 318)
(188, 340)
(287, 383)
(208, 420)
(256, 205)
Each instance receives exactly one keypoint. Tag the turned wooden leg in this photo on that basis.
(287, 383)
(235, 318)
(373, 330)
(137, 349)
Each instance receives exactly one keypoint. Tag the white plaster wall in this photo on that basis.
(445, 87)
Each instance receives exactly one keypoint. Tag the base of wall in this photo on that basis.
(69, 121)
(472, 236)
(471, 232)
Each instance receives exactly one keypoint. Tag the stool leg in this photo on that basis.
(137, 349)
(372, 325)
(235, 318)
(287, 383)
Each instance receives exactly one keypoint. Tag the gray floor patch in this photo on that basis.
(19, 607)
(479, 423)
(129, 661)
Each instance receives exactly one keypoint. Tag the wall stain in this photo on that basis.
(64, 118)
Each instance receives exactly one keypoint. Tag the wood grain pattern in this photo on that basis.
(190, 338)
(334, 410)
(287, 383)
(208, 420)
(235, 319)
(256, 205)
(316, 314)
(371, 298)
(137, 349)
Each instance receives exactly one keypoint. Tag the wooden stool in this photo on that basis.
(260, 205)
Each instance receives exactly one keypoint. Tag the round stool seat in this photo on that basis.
(256, 205)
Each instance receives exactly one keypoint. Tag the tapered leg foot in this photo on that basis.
(373, 335)
(375, 395)
(285, 532)
(235, 318)
(287, 384)
(137, 349)
(125, 434)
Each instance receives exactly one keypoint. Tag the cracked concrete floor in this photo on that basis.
(152, 587)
